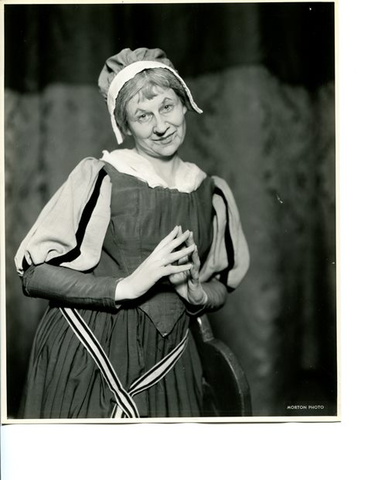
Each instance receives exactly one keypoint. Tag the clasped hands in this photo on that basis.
(175, 257)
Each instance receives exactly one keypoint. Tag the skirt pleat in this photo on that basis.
(64, 382)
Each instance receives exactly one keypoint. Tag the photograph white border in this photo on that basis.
(253, 419)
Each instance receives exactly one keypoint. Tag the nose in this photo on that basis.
(160, 127)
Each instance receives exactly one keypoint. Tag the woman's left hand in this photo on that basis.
(187, 284)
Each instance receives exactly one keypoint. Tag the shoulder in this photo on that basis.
(221, 183)
(222, 189)
(87, 174)
(89, 166)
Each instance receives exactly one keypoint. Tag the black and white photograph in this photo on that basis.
(170, 213)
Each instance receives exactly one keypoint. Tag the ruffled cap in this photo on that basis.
(124, 58)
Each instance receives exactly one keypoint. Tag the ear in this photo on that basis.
(127, 131)
(185, 109)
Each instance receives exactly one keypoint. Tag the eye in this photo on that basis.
(167, 107)
(143, 117)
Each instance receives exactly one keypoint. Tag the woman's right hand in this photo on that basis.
(160, 263)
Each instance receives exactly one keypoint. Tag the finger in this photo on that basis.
(173, 257)
(172, 269)
(173, 234)
(176, 242)
(184, 259)
(195, 270)
(178, 279)
(196, 258)
(180, 231)
(190, 240)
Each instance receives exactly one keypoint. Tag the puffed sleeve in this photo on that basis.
(228, 259)
(70, 229)
(66, 242)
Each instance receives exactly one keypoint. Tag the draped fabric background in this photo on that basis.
(264, 76)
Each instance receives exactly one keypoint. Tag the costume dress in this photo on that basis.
(98, 228)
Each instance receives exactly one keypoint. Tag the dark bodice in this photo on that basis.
(141, 216)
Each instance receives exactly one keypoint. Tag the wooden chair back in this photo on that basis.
(226, 391)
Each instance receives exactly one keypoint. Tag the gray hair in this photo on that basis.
(146, 82)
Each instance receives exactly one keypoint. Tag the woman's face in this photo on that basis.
(157, 125)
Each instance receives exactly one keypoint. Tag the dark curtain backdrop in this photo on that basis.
(264, 76)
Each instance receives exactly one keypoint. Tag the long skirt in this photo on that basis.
(64, 382)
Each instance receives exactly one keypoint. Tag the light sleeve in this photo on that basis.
(70, 229)
(228, 259)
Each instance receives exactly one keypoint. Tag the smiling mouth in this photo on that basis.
(165, 140)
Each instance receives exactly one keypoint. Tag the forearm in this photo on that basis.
(216, 294)
(69, 287)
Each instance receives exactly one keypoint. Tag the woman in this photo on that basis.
(128, 250)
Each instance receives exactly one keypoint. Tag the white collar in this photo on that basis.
(188, 175)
